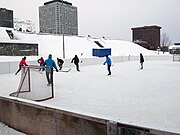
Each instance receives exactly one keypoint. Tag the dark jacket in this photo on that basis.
(59, 61)
(75, 59)
(141, 58)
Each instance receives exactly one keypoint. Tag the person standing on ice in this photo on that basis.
(41, 62)
(49, 71)
(22, 63)
(141, 60)
(108, 61)
(76, 62)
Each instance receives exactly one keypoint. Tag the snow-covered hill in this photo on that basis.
(79, 45)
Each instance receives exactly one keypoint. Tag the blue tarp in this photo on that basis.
(101, 52)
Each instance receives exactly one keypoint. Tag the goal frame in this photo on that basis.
(27, 73)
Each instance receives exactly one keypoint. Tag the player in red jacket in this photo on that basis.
(41, 62)
(22, 63)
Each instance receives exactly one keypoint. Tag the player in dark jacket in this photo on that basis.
(141, 60)
(76, 62)
(60, 63)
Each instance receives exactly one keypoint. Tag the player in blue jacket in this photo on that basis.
(108, 61)
(49, 71)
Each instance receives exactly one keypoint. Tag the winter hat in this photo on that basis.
(50, 55)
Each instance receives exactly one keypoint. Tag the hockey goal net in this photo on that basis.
(33, 84)
(176, 57)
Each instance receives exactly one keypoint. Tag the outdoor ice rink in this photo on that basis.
(148, 97)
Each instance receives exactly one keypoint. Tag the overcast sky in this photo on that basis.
(110, 18)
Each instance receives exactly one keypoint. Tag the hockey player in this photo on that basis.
(108, 61)
(50, 63)
(141, 60)
(41, 62)
(76, 62)
(60, 63)
(22, 63)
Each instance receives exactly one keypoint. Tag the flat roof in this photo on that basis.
(146, 27)
(4, 9)
(61, 1)
(177, 43)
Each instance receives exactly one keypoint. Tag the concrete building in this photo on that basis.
(58, 17)
(6, 18)
(12, 48)
(147, 36)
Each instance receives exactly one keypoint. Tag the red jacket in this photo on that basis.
(23, 63)
(41, 60)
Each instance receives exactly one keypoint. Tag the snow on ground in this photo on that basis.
(5, 130)
(148, 97)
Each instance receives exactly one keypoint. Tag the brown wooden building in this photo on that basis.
(147, 36)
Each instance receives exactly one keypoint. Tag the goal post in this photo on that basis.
(33, 84)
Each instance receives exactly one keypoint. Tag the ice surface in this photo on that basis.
(148, 97)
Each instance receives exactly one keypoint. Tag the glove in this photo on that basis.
(56, 70)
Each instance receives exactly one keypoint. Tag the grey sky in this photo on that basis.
(110, 18)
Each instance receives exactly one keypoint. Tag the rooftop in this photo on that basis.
(61, 1)
(146, 27)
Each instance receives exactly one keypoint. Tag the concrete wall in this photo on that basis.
(34, 119)
(11, 67)
(38, 120)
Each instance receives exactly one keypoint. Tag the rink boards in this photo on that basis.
(34, 118)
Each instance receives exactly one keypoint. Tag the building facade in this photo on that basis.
(58, 17)
(18, 49)
(147, 36)
(6, 18)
